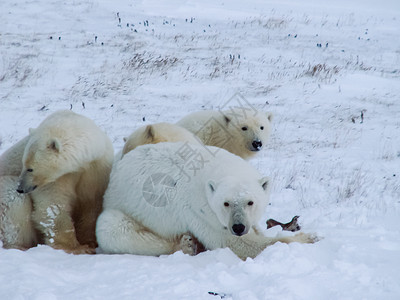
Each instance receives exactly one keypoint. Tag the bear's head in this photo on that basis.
(43, 162)
(238, 205)
(254, 127)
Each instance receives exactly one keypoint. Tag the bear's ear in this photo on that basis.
(265, 183)
(31, 130)
(270, 116)
(54, 144)
(149, 132)
(211, 187)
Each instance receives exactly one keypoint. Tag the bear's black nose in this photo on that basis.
(238, 229)
(257, 144)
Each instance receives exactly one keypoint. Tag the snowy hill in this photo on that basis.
(328, 70)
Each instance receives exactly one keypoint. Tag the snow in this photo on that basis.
(338, 171)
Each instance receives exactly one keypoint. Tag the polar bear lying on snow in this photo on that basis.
(160, 195)
(154, 134)
(239, 131)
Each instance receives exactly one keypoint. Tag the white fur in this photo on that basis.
(65, 167)
(224, 129)
(16, 229)
(130, 224)
(154, 134)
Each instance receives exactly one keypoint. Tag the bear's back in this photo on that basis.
(149, 183)
(157, 133)
(169, 179)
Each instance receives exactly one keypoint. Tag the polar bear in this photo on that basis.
(156, 133)
(65, 170)
(160, 195)
(16, 228)
(240, 131)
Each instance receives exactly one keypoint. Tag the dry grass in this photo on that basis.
(275, 23)
(322, 71)
(146, 62)
(352, 185)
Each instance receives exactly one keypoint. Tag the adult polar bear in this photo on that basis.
(240, 131)
(64, 167)
(160, 193)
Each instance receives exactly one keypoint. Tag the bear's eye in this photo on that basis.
(262, 127)
(250, 203)
(226, 204)
(29, 170)
(244, 128)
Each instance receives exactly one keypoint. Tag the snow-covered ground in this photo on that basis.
(317, 65)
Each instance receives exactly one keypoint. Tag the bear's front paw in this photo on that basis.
(82, 249)
(188, 245)
(307, 238)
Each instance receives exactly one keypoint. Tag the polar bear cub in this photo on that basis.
(159, 194)
(239, 131)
